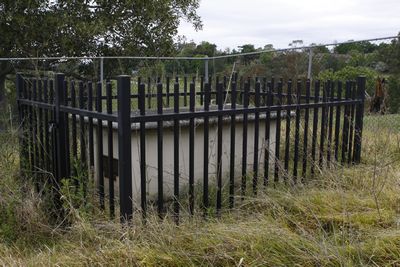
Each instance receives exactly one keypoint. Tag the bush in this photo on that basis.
(351, 73)
(393, 91)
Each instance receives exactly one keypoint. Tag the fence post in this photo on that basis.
(124, 148)
(61, 130)
(60, 142)
(206, 77)
(359, 119)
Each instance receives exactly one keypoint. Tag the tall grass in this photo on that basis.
(344, 217)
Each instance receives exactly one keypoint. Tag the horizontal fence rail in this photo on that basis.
(184, 144)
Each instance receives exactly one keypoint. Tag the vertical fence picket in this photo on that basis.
(297, 132)
(47, 158)
(41, 127)
(330, 123)
(61, 137)
(206, 145)
(52, 131)
(210, 82)
(324, 113)
(176, 152)
(124, 148)
(337, 120)
(315, 128)
(90, 126)
(27, 125)
(185, 83)
(82, 139)
(31, 132)
(268, 100)
(160, 151)
(67, 130)
(149, 92)
(244, 137)
(346, 120)
(201, 90)
(256, 136)
(219, 147)
(192, 103)
(306, 125)
(167, 91)
(345, 134)
(232, 146)
(224, 87)
(287, 135)
(100, 170)
(73, 136)
(142, 149)
(110, 149)
(351, 123)
(27, 119)
(73, 122)
(278, 133)
(325, 92)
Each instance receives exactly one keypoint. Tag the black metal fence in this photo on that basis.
(276, 131)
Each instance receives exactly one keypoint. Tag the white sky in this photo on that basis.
(230, 23)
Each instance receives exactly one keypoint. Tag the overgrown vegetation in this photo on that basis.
(341, 62)
(345, 216)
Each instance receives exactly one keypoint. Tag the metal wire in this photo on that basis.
(198, 58)
(306, 47)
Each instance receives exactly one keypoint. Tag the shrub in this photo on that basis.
(393, 91)
(351, 73)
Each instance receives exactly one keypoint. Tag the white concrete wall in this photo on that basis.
(168, 156)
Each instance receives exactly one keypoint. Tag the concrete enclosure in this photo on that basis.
(168, 157)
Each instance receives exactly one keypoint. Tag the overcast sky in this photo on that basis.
(230, 23)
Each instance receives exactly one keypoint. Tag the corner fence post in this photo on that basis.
(359, 119)
(60, 142)
(61, 130)
(124, 147)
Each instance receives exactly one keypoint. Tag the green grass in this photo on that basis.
(344, 217)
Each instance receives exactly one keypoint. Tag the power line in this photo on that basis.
(199, 58)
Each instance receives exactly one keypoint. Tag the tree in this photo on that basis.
(38, 28)
(362, 47)
(296, 43)
(206, 48)
(390, 55)
(247, 48)
(320, 49)
(266, 58)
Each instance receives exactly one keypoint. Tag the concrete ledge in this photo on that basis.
(198, 121)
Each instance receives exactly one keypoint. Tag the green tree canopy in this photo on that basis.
(38, 28)
(362, 47)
